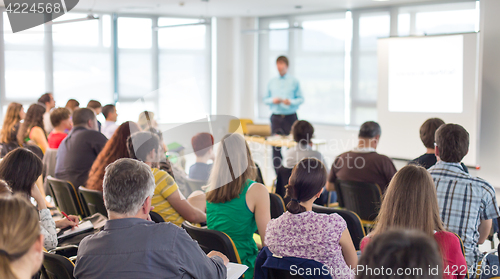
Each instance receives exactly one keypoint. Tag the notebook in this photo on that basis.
(83, 227)
(234, 270)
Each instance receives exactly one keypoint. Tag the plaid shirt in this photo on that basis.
(464, 201)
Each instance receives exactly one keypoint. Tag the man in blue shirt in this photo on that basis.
(283, 97)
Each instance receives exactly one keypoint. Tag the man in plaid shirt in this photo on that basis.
(467, 204)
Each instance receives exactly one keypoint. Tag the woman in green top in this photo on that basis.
(237, 205)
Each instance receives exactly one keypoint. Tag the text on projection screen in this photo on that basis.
(426, 74)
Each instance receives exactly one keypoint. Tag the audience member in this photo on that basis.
(302, 233)
(62, 123)
(110, 126)
(47, 101)
(11, 121)
(302, 132)
(427, 131)
(237, 205)
(115, 148)
(20, 168)
(401, 254)
(131, 246)
(203, 147)
(21, 243)
(96, 107)
(467, 204)
(72, 105)
(410, 202)
(147, 120)
(80, 148)
(32, 130)
(167, 200)
(363, 163)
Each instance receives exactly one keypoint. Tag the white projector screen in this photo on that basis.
(421, 78)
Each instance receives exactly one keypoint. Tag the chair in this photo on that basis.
(49, 166)
(282, 176)
(93, 201)
(66, 196)
(360, 197)
(277, 205)
(57, 267)
(155, 217)
(234, 124)
(195, 185)
(210, 240)
(353, 221)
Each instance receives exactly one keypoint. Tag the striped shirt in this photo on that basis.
(165, 186)
(463, 202)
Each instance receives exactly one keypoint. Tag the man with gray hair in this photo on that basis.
(363, 163)
(131, 245)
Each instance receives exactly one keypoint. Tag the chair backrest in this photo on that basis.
(352, 219)
(210, 240)
(361, 197)
(282, 176)
(155, 217)
(234, 124)
(93, 201)
(195, 185)
(49, 166)
(57, 267)
(66, 196)
(277, 205)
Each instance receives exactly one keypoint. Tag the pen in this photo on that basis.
(66, 215)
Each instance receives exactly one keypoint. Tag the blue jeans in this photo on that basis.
(490, 267)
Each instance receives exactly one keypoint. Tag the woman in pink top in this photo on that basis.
(302, 233)
(410, 202)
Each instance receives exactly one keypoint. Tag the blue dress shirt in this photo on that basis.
(284, 87)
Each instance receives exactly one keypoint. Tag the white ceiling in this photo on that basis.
(230, 8)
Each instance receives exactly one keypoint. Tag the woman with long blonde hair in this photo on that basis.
(236, 204)
(32, 129)
(13, 116)
(410, 202)
(21, 243)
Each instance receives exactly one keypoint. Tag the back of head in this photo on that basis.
(93, 104)
(33, 118)
(233, 165)
(307, 180)
(410, 202)
(428, 130)
(146, 120)
(107, 109)
(59, 115)
(302, 131)
(452, 141)
(201, 143)
(19, 231)
(11, 118)
(20, 168)
(72, 104)
(127, 183)
(81, 117)
(140, 144)
(369, 130)
(402, 254)
(45, 98)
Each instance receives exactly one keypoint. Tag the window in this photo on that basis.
(82, 63)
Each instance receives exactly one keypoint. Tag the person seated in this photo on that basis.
(427, 131)
(401, 254)
(467, 204)
(167, 199)
(96, 107)
(410, 202)
(11, 121)
(110, 126)
(302, 132)
(203, 147)
(79, 149)
(32, 129)
(236, 204)
(20, 168)
(302, 233)
(363, 163)
(21, 243)
(115, 148)
(147, 120)
(47, 101)
(131, 245)
(72, 105)
(62, 123)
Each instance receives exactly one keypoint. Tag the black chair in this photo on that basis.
(57, 267)
(353, 221)
(155, 217)
(277, 205)
(282, 176)
(360, 197)
(66, 196)
(259, 178)
(93, 201)
(210, 240)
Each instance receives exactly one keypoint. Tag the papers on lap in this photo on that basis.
(82, 228)
(234, 270)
